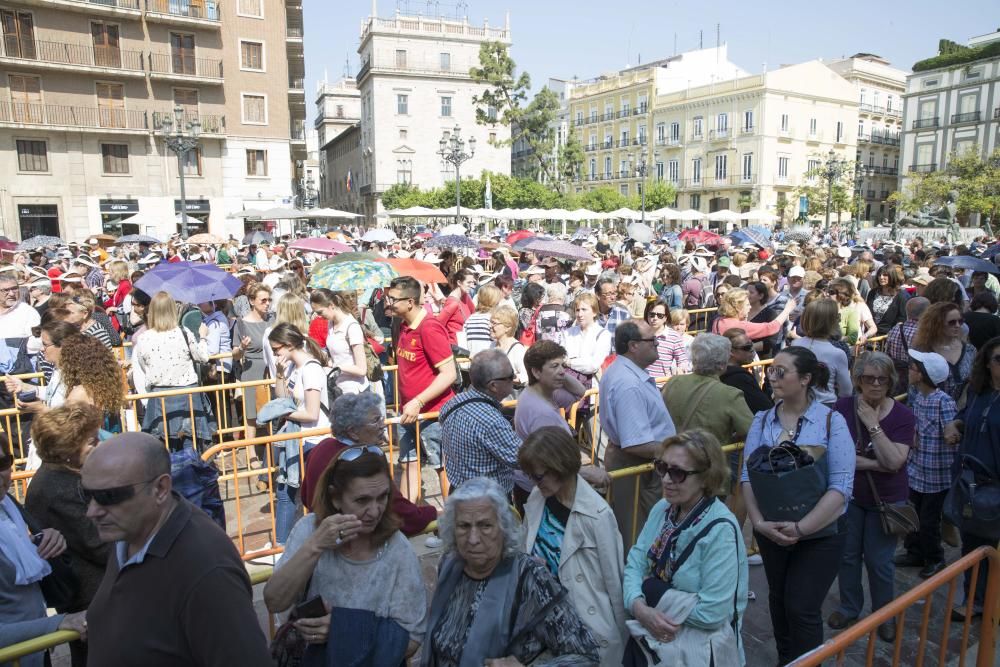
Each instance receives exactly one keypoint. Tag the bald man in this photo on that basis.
(175, 591)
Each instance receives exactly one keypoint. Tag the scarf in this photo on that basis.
(29, 567)
(663, 552)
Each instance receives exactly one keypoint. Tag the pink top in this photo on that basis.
(755, 330)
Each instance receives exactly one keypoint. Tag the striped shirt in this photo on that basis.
(477, 333)
(671, 355)
(929, 465)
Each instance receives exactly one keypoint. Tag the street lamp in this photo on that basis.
(172, 128)
(452, 150)
(833, 169)
(858, 179)
(640, 170)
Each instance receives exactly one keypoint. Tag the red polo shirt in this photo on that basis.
(420, 352)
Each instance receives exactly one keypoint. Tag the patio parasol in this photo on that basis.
(557, 248)
(425, 272)
(136, 238)
(190, 282)
(258, 237)
(382, 235)
(451, 241)
(320, 245)
(514, 237)
(359, 275)
(205, 239)
(36, 242)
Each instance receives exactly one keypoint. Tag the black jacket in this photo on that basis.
(740, 378)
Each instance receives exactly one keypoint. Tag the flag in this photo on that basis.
(350, 181)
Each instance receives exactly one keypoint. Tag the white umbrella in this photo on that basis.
(759, 214)
(725, 215)
(329, 213)
(453, 229)
(665, 213)
(379, 235)
(281, 213)
(246, 213)
(179, 219)
(690, 215)
(625, 213)
(411, 212)
(144, 219)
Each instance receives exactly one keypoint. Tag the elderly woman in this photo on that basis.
(882, 430)
(686, 578)
(349, 552)
(22, 566)
(671, 352)
(801, 557)
(356, 420)
(737, 376)
(735, 308)
(940, 330)
(552, 317)
(503, 321)
(570, 528)
(550, 389)
(820, 323)
(494, 605)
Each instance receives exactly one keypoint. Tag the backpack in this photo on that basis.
(692, 299)
(333, 391)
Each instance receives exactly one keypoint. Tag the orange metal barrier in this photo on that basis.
(928, 606)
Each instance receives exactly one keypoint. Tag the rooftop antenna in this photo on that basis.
(675, 43)
(701, 39)
(347, 66)
(718, 40)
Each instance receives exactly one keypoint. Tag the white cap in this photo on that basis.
(934, 364)
(593, 269)
(796, 272)
(844, 252)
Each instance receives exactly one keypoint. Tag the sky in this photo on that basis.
(585, 38)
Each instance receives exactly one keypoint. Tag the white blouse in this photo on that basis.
(586, 350)
(166, 359)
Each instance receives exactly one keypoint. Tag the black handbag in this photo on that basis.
(61, 587)
(973, 501)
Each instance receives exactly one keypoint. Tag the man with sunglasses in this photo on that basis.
(16, 320)
(175, 591)
(633, 415)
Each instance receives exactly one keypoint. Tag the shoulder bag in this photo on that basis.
(973, 501)
(899, 520)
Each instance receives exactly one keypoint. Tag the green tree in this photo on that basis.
(922, 189)
(505, 92)
(659, 194)
(571, 156)
(603, 199)
(977, 183)
(815, 188)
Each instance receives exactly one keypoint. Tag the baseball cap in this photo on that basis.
(724, 262)
(796, 272)
(934, 365)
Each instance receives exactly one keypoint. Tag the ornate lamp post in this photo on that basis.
(641, 168)
(172, 128)
(832, 170)
(858, 178)
(452, 150)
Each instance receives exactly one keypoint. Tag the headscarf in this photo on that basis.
(16, 546)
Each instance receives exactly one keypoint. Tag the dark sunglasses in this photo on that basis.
(354, 453)
(744, 348)
(876, 380)
(113, 496)
(776, 372)
(659, 316)
(677, 475)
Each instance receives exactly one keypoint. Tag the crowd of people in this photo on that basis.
(879, 363)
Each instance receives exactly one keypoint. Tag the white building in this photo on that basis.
(880, 90)
(951, 109)
(415, 86)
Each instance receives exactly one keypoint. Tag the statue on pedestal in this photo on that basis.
(926, 217)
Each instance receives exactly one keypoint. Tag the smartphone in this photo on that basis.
(314, 608)
(27, 396)
(36, 539)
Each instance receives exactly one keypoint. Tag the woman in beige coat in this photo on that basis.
(573, 532)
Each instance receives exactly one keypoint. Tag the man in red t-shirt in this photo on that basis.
(426, 372)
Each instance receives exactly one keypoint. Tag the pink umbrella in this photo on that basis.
(320, 245)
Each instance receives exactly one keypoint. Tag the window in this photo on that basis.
(861, 129)
(659, 171)
(492, 138)
(642, 135)
(445, 62)
(812, 127)
(256, 162)
(642, 104)
(446, 106)
(340, 111)
(864, 94)
(32, 155)
(623, 169)
(579, 117)
(404, 172)
(252, 55)
(624, 139)
(661, 132)
(675, 132)
(623, 188)
(697, 124)
(250, 8)
(748, 120)
(812, 168)
(673, 171)
(747, 166)
(888, 103)
(593, 169)
(254, 109)
(930, 83)
(840, 132)
(696, 202)
(871, 158)
(192, 162)
(18, 34)
(182, 54)
(722, 123)
(721, 167)
(400, 58)
(783, 167)
(107, 50)
(607, 167)
(626, 108)
(696, 170)
(784, 122)
(593, 114)
(115, 158)
(403, 134)
(402, 104)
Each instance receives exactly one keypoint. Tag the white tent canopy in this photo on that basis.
(759, 215)
(690, 215)
(329, 213)
(725, 215)
(665, 213)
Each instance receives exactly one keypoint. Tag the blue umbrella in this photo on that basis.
(969, 263)
(190, 282)
(750, 235)
(451, 241)
(36, 242)
(992, 251)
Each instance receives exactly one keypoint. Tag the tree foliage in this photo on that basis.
(815, 189)
(571, 158)
(505, 92)
(975, 181)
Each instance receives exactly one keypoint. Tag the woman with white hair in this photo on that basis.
(552, 317)
(493, 604)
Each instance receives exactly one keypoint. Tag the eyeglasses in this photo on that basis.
(389, 300)
(955, 323)
(743, 348)
(777, 372)
(876, 380)
(9, 289)
(505, 378)
(113, 496)
(659, 316)
(354, 453)
(677, 475)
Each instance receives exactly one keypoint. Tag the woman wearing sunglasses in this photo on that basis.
(882, 430)
(799, 566)
(573, 532)
(686, 578)
(349, 552)
(671, 352)
(941, 330)
(23, 564)
(737, 376)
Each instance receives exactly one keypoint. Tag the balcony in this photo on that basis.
(295, 32)
(297, 84)
(718, 135)
(697, 136)
(748, 130)
(784, 133)
(971, 117)
(210, 125)
(297, 133)
(869, 194)
(923, 168)
(184, 12)
(75, 57)
(182, 67)
(814, 138)
(53, 117)
(924, 123)
(883, 139)
(883, 195)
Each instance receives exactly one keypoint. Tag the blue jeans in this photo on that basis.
(430, 443)
(867, 541)
(285, 511)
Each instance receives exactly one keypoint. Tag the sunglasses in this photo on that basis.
(876, 380)
(659, 316)
(744, 348)
(112, 496)
(776, 372)
(354, 453)
(677, 475)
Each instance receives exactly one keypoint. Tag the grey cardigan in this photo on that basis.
(22, 613)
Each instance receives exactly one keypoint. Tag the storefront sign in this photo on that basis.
(193, 206)
(129, 206)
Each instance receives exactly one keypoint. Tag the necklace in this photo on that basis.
(787, 433)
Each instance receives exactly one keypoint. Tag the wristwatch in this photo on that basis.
(874, 430)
